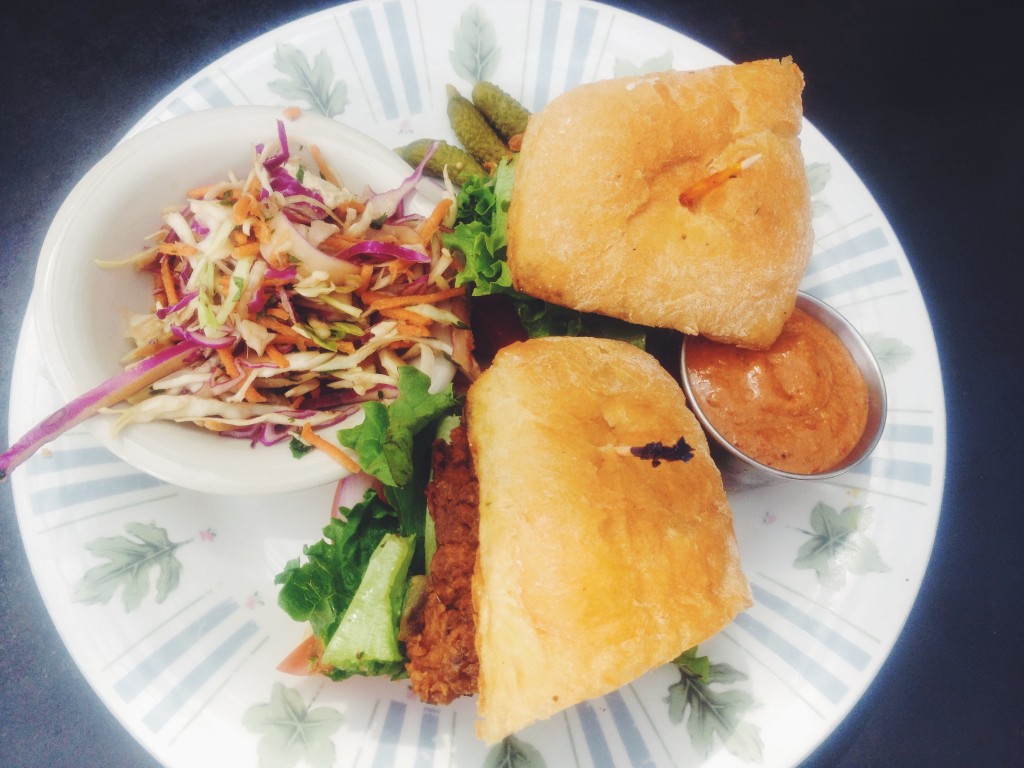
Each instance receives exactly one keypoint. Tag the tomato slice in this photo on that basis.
(305, 659)
(495, 325)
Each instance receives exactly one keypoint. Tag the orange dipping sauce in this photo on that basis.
(800, 406)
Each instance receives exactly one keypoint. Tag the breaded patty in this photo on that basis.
(442, 645)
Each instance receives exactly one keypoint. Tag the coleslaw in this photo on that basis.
(282, 301)
(302, 298)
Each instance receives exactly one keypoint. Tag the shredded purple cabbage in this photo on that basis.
(282, 156)
(182, 303)
(375, 251)
(216, 389)
(201, 339)
(200, 229)
(109, 393)
(260, 434)
(415, 286)
(273, 273)
(266, 433)
(257, 302)
(337, 398)
(286, 303)
(388, 205)
(251, 365)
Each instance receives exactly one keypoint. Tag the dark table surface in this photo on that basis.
(918, 95)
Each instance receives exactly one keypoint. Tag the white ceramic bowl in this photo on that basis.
(79, 307)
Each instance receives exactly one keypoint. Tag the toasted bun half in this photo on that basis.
(594, 566)
(676, 200)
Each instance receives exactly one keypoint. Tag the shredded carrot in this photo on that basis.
(422, 298)
(243, 208)
(365, 275)
(261, 230)
(321, 163)
(198, 193)
(276, 325)
(413, 329)
(276, 357)
(176, 249)
(292, 113)
(270, 282)
(280, 313)
(691, 196)
(159, 295)
(355, 205)
(298, 400)
(216, 426)
(151, 347)
(311, 437)
(406, 315)
(228, 361)
(428, 228)
(369, 297)
(401, 235)
(284, 332)
(249, 250)
(167, 279)
(397, 268)
(253, 395)
(338, 240)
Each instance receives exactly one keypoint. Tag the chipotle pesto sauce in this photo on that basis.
(800, 406)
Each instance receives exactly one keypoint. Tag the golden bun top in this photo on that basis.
(676, 200)
(594, 565)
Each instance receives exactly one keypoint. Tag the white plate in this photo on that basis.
(183, 648)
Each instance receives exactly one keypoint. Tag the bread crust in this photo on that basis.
(594, 566)
(596, 223)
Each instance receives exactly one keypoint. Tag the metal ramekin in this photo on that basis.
(741, 471)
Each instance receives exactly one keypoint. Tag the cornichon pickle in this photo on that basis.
(502, 111)
(461, 165)
(473, 130)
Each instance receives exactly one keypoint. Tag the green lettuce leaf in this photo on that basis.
(410, 500)
(479, 233)
(393, 444)
(366, 640)
(384, 441)
(541, 318)
(320, 589)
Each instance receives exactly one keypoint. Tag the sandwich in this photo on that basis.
(578, 533)
(601, 544)
(677, 200)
